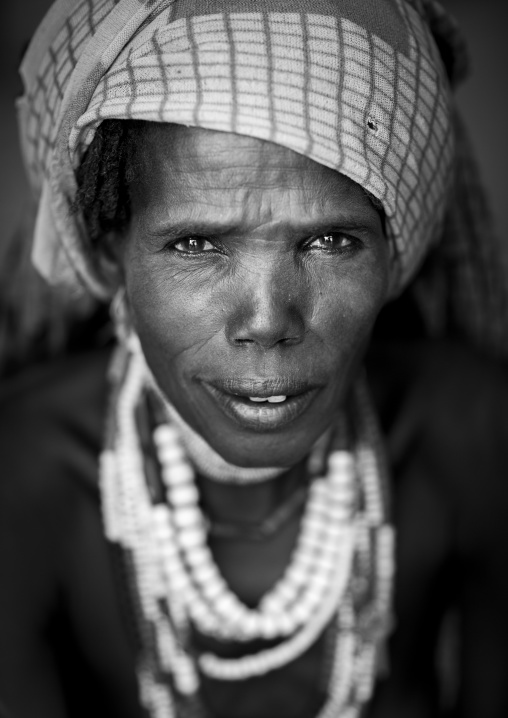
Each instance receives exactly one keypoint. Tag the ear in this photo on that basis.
(108, 260)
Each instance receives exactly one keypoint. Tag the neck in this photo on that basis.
(249, 503)
(207, 462)
(233, 493)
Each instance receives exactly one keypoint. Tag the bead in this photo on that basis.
(190, 537)
(314, 526)
(205, 623)
(297, 579)
(171, 455)
(160, 514)
(301, 614)
(313, 544)
(187, 681)
(269, 627)
(286, 624)
(172, 561)
(177, 475)
(305, 560)
(169, 552)
(271, 604)
(197, 557)
(313, 597)
(287, 593)
(250, 624)
(213, 590)
(226, 603)
(205, 573)
(162, 526)
(340, 461)
(187, 517)
(179, 581)
(198, 610)
(183, 494)
(335, 531)
(164, 434)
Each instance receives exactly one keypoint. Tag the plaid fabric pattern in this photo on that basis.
(318, 83)
(356, 87)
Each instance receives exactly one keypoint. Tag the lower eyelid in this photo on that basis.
(210, 253)
(209, 248)
(349, 242)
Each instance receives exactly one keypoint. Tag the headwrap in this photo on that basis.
(363, 88)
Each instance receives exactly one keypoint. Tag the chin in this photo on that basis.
(275, 450)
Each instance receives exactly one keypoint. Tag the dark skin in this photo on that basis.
(246, 262)
(237, 310)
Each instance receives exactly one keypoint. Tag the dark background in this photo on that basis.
(483, 99)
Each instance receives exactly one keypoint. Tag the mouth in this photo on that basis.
(261, 405)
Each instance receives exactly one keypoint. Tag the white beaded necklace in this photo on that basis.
(341, 568)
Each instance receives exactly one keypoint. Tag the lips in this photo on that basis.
(261, 404)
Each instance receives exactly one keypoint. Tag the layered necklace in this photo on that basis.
(339, 574)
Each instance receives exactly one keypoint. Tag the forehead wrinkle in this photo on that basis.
(222, 157)
(257, 193)
(251, 181)
(243, 209)
(255, 174)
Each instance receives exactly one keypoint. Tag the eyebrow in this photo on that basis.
(172, 230)
(179, 229)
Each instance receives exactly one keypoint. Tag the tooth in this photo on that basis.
(257, 398)
(276, 399)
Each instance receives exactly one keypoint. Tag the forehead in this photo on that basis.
(187, 162)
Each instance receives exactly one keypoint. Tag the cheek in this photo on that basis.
(173, 317)
(346, 306)
(180, 316)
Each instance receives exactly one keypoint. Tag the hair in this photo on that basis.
(105, 173)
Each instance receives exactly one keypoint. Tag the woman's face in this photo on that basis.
(252, 273)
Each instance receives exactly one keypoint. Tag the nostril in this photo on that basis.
(285, 341)
(264, 320)
(241, 342)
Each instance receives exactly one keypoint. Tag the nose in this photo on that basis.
(267, 307)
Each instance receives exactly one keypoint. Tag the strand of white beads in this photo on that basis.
(352, 680)
(370, 458)
(374, 473)
(178, 575)
(284, 653)
(163, 542)
(315, 560)
(138, 533)
(341, 678)
(317, 515)
(385, 568)
(125, 503)
(156, 698)
(134, 501)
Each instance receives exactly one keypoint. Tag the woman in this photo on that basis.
(251, 185)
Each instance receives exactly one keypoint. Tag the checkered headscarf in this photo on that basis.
(357, 86)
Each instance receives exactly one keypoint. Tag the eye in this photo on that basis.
(332, 242)
(193, 245)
